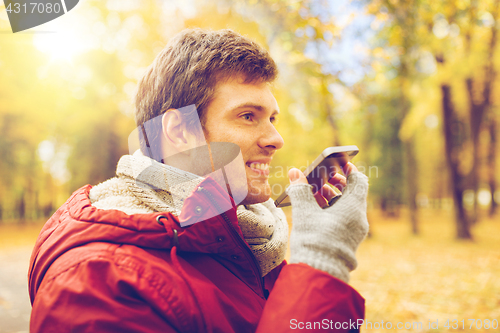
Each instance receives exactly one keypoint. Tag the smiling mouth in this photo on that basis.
(261, 168)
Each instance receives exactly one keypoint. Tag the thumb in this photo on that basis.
(296, 177)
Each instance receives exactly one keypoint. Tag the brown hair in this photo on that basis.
(188, 69)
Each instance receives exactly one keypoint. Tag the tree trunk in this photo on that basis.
(477, 110)
(327, 109)
(491, 76)
(453, 144)
(21, 210)
(410, 160)
(492, 163)
(411, 181)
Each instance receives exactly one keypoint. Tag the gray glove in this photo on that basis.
(327, 239)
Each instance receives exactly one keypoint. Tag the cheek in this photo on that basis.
(236, 136)
(219, 131)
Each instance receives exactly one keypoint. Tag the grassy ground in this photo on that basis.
(431, 277)
(405, 278)
(14, 235)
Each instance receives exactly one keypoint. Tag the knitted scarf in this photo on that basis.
(144, 186)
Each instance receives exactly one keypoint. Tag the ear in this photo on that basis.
(175, 133)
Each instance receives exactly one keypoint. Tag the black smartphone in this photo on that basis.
(324, 167)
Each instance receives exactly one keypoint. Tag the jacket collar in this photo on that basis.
(77, 223)
(203, 236)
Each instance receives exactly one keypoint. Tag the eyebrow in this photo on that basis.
(253, 106)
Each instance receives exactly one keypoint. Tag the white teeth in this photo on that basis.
(260, 166)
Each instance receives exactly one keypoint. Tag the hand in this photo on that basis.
(327, 239)
(326, 193)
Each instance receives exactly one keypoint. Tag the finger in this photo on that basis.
(349, 168)
(322, 202)
(296, 176)
(327, 192)
(338, 181)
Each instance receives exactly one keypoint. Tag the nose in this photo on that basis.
(270, 138)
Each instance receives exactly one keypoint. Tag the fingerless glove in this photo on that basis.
(327, 239)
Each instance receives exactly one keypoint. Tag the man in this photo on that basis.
(117, 258)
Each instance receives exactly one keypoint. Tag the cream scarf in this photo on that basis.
(163, 188)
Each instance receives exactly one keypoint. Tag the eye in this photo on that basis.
(273, 120)
(247, 116)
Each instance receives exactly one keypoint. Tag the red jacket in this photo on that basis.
(98, 270)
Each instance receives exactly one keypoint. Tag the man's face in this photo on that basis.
(244, 114)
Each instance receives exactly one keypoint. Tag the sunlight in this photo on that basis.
(61, 46)
(69, 36)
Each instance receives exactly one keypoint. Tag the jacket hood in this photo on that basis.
(78, 223)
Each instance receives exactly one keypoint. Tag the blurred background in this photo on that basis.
(413, 84)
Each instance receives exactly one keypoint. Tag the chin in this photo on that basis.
(257, 195)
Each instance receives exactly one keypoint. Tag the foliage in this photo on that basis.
(432, 277)
(351, 72)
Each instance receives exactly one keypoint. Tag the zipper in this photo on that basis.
(239, 238)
